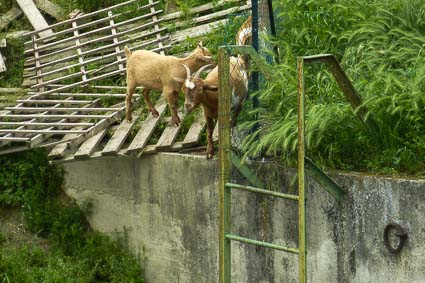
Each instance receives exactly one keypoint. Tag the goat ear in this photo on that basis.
(179, 80)
(210, 87)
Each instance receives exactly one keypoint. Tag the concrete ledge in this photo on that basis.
(168, 204)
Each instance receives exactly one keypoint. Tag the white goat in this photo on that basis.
(154, 71)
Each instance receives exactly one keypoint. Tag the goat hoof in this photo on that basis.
(129, 118)
(155, 113)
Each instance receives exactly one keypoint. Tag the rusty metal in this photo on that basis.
(349, 91)
(399, 232)
(302, 259)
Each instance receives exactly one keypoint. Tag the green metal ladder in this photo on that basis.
(226, 157)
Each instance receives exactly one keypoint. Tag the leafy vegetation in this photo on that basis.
(77, 254)
(380, 46)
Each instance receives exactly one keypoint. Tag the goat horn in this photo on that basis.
(199, 72)
(187, 71)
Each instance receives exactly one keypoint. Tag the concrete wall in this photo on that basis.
(168, 205)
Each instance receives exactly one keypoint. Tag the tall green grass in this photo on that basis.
(380, 44)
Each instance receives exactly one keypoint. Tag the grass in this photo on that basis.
(380, 45)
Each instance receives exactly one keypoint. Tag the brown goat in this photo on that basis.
(154, 71)
(205, 92)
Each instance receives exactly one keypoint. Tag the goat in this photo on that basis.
(205, 92)
(154, 71)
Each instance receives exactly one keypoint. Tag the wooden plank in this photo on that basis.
(89, 145)
(34, 16)
(2, 64)
(13, 90)
(51, 124)
(169, 136)
(92, 14)
(45, 101)
(156, 28)
(51, 8)
(116, 41)
(35, 131)
(215, 132)
(41, 116)
(120, 135)
(146, 130)
(80, 58)
(61, 109)
(9, 17)
(195, 131)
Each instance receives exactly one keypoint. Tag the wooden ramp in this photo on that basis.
(70, 110)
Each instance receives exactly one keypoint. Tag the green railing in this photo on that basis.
(227, 157)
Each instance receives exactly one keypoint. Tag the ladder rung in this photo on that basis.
(261, 243)
(261, 191)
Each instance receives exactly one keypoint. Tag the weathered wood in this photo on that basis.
(200, 9)
(195, 131)
(37, 124)
(45, 101)
(146, 130)
(197, 31)
(13, 90)
(169, 136)
(2, 64)
(9, 17)
(156, 28)
(215, 133)
(39, 131)
(61, 109)
(120, 135)
(43, 116)
(34, 16)
(51, 8)
(89, 145)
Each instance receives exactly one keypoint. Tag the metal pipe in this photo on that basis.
(261, 191)
(261, 244)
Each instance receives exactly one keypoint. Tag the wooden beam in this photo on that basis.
(2, 64)
(9, 17)
(89, 145)
(51, 8)
(146, 130)
(169, 136)
(120, 135)
(34, 16)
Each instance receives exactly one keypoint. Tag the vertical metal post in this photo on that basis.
(224, 166)
(301, 177)
(255, 44)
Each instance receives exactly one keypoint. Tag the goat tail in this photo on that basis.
(127, 52)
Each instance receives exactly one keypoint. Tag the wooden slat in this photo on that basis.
(38, 124)
(51, 8)
(34, 16)
(61, 109)
(195, 131)
(120, 135)
(156, 27)
(46, 101)
(14, 139)
(89, 145)
(91, 15)
(38, 131)
(92, 32)
(80, 58)
(215, 132)
(146, 130)
(41, 116)
(169, 136)
(10, 16)
(116, 41)
(2, 64)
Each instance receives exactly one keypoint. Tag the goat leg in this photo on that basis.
(210, 130)
(149, 102)
(129, 96)
(172, 97)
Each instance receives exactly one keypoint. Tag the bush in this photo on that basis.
(77, 254)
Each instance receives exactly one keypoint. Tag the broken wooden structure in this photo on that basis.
(71, 109)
